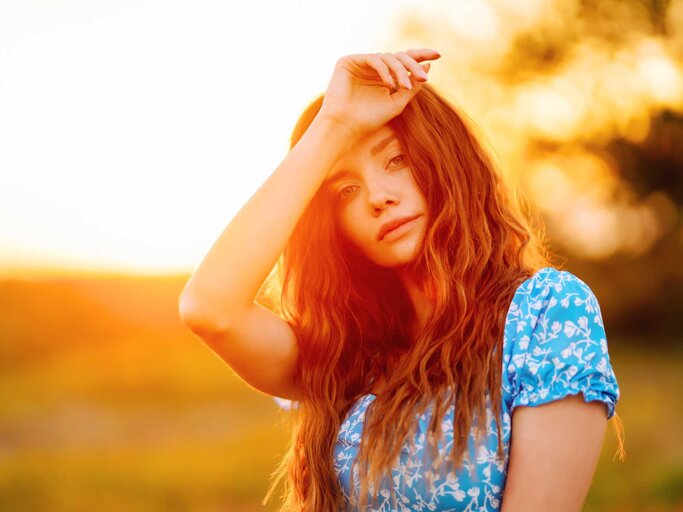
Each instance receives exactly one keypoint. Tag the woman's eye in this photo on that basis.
(345, 192)
(401, 157)
(342, 194)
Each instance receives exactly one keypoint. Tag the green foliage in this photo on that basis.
(144, 422)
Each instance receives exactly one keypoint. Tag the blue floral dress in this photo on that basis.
(554, 346)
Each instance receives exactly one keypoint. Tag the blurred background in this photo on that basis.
(131, 132)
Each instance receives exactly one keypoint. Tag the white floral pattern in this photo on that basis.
(554, 346)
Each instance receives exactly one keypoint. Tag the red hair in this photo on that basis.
(351, 315)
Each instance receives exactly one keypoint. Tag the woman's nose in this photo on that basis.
(379, 196)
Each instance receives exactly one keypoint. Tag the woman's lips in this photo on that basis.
(399, 230)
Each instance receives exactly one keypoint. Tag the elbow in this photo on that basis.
(188, 313)
(197, 318)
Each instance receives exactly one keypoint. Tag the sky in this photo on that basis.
(132, 131)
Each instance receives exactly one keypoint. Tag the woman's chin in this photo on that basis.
(398, 256)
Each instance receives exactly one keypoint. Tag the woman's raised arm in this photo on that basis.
(217, 302)
(358, 100)
(230, 275)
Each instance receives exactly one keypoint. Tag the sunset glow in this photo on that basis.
(133, 132)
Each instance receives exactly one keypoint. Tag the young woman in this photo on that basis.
(420, 324)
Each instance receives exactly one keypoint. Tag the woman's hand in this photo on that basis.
(363, 95)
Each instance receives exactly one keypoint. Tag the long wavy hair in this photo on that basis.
(351, 316)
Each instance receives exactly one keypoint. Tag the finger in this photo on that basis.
(417, 72)
(399, 70)
(402, 96)
(380, 66)
(421, 54)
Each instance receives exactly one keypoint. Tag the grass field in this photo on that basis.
(110, 404)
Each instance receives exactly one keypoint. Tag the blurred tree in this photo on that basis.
(582, 102)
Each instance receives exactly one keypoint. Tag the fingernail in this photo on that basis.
(407, 83)
(423, 74)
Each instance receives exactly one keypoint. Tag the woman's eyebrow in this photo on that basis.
(337, 176)
(376, 149)
(382, 144)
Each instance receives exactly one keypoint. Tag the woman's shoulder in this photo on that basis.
(549, 282)
(550, 294)
(549, 276)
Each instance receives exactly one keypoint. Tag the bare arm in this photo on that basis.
(217, 302)
(553, 455)
(238, 263)
(356, 102)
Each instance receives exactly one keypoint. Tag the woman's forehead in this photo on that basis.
(373, 138)
(369, 146)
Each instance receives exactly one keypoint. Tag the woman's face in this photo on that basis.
(371, 186)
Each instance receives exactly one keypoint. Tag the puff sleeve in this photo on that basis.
(561, 348)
